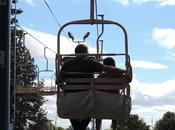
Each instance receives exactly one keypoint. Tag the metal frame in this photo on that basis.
(92, 22)
(61, 83)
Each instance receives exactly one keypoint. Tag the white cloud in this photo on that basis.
(160, 99)
(123, 2)
(156, 89)
(147, 65)
(167, 2)
(140, 2)
(170, 56)
(153, 94)
(143, 1)
(144, 95)
(164, 37)
(160, 2)
(37, 49)
(152, 114)
(30, 2)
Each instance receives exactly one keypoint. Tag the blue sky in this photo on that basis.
(151, 30)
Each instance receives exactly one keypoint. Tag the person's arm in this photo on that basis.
(117, 72)
(112, 69)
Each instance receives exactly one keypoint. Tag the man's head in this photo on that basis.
(109, 61)
(81, 48)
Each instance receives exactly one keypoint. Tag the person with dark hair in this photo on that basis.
(110, 62)
(81, 48)
(81, 63)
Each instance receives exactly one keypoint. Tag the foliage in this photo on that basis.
(69, 128)
(133, 123)
(50, 126)
(60, 128)
(14, 12)
(29, 113)
(167, 122)
(25, 69)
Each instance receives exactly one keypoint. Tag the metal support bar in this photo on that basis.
(5, 64)
(46, 58)
(101, 49)
(102, 31)
(92, 10)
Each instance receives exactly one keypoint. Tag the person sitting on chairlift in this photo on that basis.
(81, 63)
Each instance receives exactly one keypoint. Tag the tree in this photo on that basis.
(14, 12)
(133, 123)
(167, 122)
(69, 128)
(29, 113)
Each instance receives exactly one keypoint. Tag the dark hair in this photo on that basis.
(109, 61)
(81, 48)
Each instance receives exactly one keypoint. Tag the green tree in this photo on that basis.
(29, 113)
(14, 12)
(50, 126)
(167, 122)
(60, 128)
(133, 123)
(70, 128)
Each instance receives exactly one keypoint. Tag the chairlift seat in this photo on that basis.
(82, 98)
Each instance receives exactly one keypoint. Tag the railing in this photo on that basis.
(44, 91)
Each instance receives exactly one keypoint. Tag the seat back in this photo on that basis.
(75, 81)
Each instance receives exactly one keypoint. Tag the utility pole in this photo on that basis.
(5, 64)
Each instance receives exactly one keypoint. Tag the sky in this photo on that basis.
(150, 25)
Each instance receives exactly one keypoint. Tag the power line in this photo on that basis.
(52, 13)
(56, 20)
(36, 39)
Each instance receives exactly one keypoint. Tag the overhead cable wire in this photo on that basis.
(56, 20)
(52, 13)
(36, 39)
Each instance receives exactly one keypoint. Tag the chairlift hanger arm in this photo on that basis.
(95, 21)
(99, 36)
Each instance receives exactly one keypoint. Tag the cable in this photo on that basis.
(36, 39)
(52, 13)
(56, 20)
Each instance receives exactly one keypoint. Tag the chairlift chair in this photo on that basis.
(94, 100)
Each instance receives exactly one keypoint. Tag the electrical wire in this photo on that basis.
(36, 39)
(56, 20)
(52, 13)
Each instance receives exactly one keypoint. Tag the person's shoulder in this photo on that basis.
(70, 60)
(91, 60)
(67, 63)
